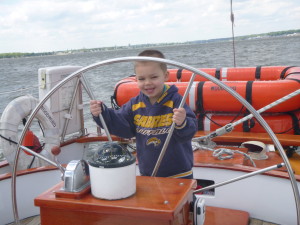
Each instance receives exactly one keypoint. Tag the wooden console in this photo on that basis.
(157, 201)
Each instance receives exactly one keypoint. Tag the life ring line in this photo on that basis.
(32, 142)
(11, 118)
(207, 96)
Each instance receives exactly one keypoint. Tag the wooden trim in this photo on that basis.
(72, 195)
(239, 137)
(224, 216)
(3, 163)
(232, 137)
(93, 138)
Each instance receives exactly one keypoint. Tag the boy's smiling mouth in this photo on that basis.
(149, 90)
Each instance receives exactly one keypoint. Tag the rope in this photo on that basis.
(38, 149)
(11, 141)
(293, 127)
(5, 138)
(233, 119)
(225, 153)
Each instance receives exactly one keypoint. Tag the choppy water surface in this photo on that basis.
(21, 73)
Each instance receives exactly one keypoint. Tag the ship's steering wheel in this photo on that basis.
(79, 74)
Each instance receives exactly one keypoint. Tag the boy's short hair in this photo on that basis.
(154, 53)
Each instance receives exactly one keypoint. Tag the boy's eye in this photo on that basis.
(140, 78)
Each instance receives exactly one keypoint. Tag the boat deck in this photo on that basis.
(35, 220)
(254, 221)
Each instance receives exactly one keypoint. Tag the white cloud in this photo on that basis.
(50, 25)
(258, 16)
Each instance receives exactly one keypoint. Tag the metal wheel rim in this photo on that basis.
(169, 62)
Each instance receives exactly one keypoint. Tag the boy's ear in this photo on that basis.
(167, 76)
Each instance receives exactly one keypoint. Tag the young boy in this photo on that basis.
(149, 117)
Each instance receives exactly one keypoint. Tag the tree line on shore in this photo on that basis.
(20, 54)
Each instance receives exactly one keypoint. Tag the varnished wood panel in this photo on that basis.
(239, 137)
(206, 157)
(157, 201)
(223, 216)
(232, 137)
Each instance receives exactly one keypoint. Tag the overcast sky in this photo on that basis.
(52, 25)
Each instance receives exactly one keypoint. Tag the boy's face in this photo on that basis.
(151, 78)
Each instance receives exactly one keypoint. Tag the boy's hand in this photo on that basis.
(179, 116)
(95, 107)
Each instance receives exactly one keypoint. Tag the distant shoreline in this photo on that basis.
(111, 48)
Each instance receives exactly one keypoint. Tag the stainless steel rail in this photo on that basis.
(92, 96)
(163, 151)
(240, 178)
(70, 109)
(40, 156)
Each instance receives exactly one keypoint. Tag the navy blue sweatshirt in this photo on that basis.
(150, 125)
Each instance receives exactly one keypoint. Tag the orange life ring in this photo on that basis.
(32, 142)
